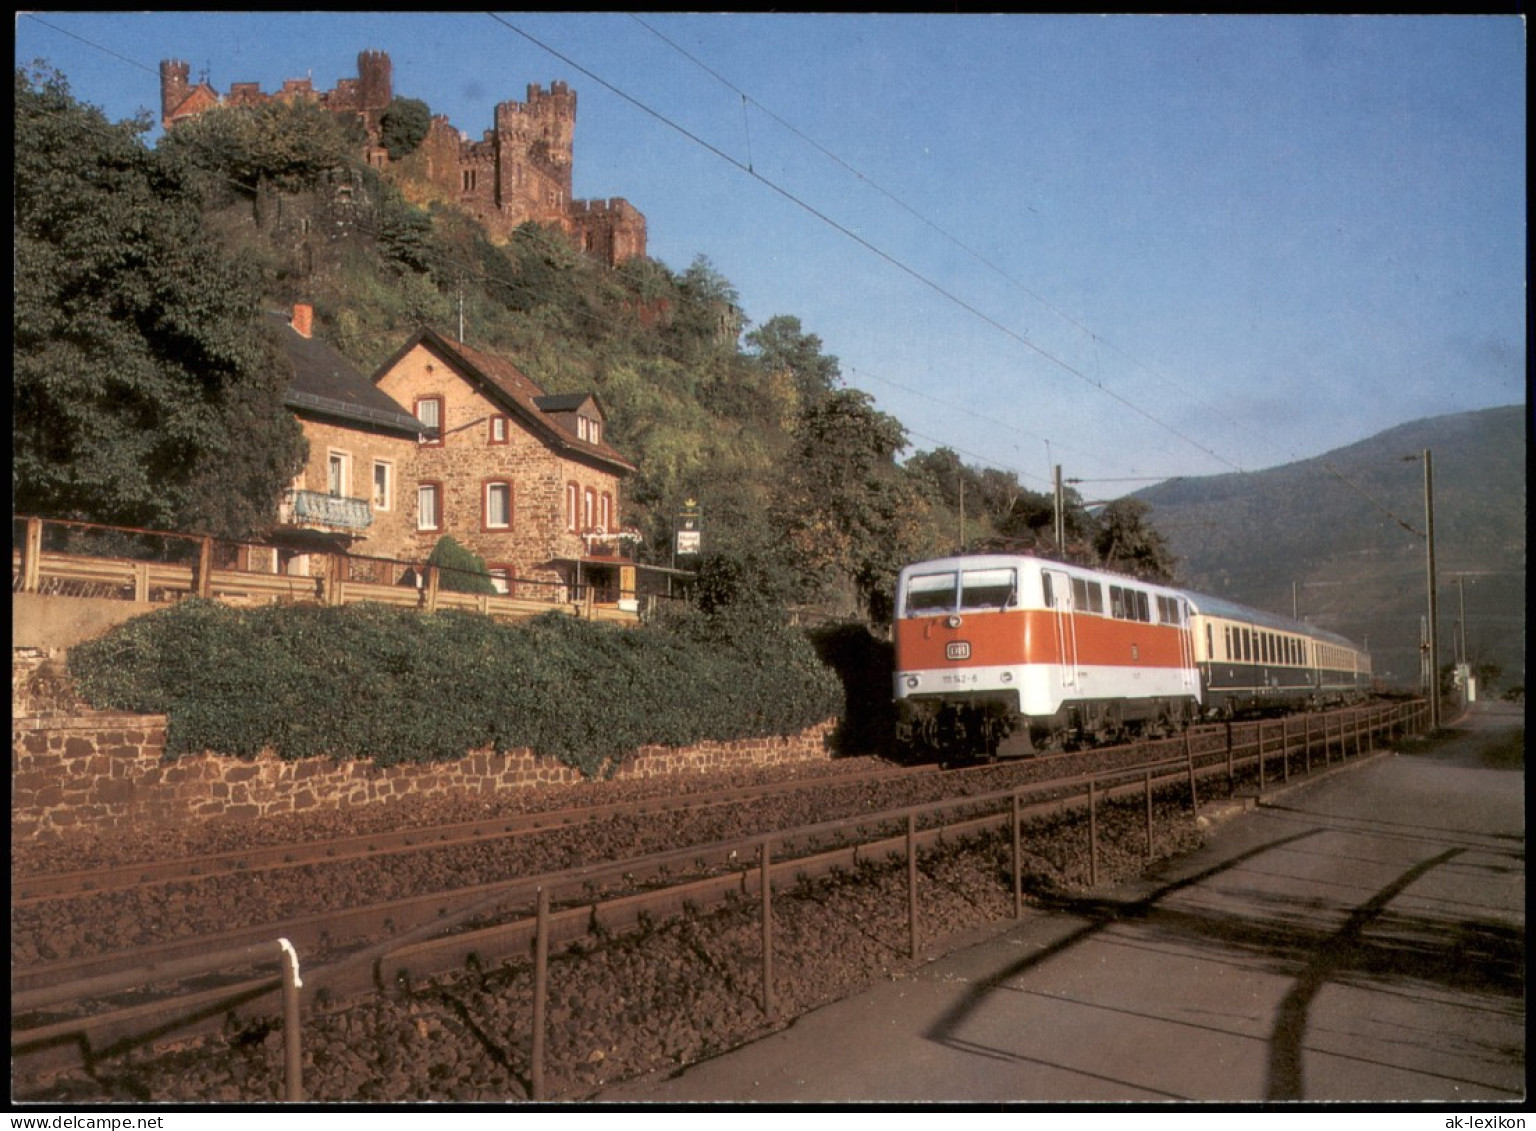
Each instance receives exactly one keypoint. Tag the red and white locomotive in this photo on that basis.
(1000, 655)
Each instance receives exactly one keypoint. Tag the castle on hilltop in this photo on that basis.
(520, 170)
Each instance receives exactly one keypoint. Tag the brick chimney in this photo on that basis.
(303, 318)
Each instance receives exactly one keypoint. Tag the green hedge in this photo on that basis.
(393, 685)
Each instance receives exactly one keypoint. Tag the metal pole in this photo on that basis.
(1093, 836)
(1018, 862)
(1061, 516)
(540, 994)
(1261, 754)
(293, 1053)
(1194, 798)
(912, 883)
(1285, 749)
(1150, 848)
(1434, 647)
(767, 894)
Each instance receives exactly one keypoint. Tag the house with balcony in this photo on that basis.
(357, 489)
(524, 479)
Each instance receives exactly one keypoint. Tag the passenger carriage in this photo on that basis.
(1253, 661)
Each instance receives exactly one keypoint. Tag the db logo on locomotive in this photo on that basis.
(957, 650)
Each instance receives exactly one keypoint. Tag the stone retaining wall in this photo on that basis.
(97, 773)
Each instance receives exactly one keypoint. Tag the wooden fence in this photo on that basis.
(53, 557)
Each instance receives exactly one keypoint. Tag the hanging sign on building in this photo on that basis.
(689, 532)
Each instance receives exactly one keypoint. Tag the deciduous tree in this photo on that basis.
(146, 391)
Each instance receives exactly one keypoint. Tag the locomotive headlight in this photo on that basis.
(1007, 677)
(912, 682)
(953, 621)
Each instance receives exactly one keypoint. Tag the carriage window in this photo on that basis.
(1143, 608)
(993, 588)
(930, 593)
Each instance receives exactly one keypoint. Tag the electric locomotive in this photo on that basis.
(1004, 655)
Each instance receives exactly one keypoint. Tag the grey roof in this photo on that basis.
(326, 383)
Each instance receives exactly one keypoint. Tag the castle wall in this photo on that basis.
(520, 172)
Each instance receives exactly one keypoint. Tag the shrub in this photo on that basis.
(392, 685)
(459, 570)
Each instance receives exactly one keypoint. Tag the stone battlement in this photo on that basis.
(520, 171)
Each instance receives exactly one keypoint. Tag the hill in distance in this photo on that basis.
(1329, 538)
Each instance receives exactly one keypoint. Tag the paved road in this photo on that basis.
(1361, 937)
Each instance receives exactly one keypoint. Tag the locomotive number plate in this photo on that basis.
(957, 650)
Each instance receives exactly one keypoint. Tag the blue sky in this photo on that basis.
(1139, 247)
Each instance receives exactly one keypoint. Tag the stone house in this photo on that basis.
(525, 480)
(356, 491)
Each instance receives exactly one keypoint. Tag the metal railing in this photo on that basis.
(81, 1029)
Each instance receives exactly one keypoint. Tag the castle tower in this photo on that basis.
(375, 81)
(173, 87)
(534, 140)
(554, 118)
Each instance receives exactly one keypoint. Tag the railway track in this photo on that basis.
(38, 888)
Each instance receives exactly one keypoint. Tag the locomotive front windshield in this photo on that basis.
(967, 590)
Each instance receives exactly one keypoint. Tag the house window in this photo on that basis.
(338, 474)
(429, 410)
(383, 485)
(498, 430)
(501, 578)
(588, 508)
(429, 506)
(605, 513)
(572, 506)
(588, 429)
(497, 514)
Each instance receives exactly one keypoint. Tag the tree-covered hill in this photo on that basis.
(1344, 533)
(803, 483)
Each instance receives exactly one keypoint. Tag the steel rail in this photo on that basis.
(325, 931)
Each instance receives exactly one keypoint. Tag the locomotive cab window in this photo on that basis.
(990, 588)
(930, 593)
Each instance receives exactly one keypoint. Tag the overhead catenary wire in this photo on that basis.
(513, 287)
(978, 256)
(838, 226)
